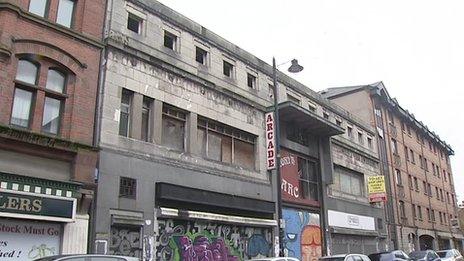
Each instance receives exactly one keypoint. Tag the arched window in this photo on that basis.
(27, 72)
(56, 80)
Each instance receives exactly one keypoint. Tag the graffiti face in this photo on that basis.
(302, 234)
(203, 241)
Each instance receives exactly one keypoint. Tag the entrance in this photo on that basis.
(426, 242)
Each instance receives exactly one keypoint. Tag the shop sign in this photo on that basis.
(22, 240)
(270, 141)
(35, 206)
(347, 220)
(376, 189)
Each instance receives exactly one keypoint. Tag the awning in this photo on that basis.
(308, 120)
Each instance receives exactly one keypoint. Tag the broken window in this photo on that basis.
(228, 69)
(251, 80)
(173, 133)
(170, 40)
(226, 144)
(134, 23)
(201, 55)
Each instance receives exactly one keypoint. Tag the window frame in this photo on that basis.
(46, 9)
(73, 14)
(60, 115)
(132, 188)
(171, 112)
(131, 15)
(167, 34)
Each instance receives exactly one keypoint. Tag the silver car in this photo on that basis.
(87, 257)
(345, 257)
(450, 255)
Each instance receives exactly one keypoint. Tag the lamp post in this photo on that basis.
(294, 68)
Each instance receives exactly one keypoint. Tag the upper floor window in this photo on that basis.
(146, 113)
(293, 99)
(308, 179)
(21, 113)
(51, 115)
(125, 112)
(297, 134)
(226, 144)
(369, 142)
(134, 23)
(173, 132)
(65, 12)
(201, 55)
(38, 7)
(228, 69)
(56, 80)
(348, 181)
(394, 146)
(251, 80)
(360, 138)
(349, 131)
(171, 41)
(27, 72)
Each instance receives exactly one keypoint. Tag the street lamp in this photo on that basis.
(294, 68)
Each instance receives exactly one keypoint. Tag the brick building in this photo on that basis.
(49, 65)
(422, 203)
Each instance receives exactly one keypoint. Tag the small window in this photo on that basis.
(360, 138)
(38, 7)
(27, 72)
(338, 122)
(55, 81)
(399, 180)
(270, 88)
(201, 55)
(65, 13)
(379, 223)
(21, 113)
(312, 107)
(406, 153)
(51, 115)
(134, 23)
(410, 184)
(293, 99)
(228, 69)
(419, 212)
(402, 209)
(326, 115)
(251, 81)
(170, 41)
(394, 146)
(416, 184)
(349, 130)
(127, 187)
(125, 111)
(369, 142)
(146, 108)
(413, 159)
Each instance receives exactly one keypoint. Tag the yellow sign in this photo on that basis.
(376, 184)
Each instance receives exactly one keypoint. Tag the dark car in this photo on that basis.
(426, 255)
(395, 255)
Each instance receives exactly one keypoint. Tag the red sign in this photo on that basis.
(270, 141)
(377, 197)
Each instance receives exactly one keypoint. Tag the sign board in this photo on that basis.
(36, 206)
(347, 220)
(28, 240)
(270, 141)
(376, 189)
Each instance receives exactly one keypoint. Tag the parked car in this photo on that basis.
(345, 257)
(395, 255)
(87, 257)
(426, 255)
(276, 259)
(450, 255)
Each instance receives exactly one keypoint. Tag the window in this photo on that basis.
(134, 23)
(308, 179)
(413, 159)
(173, 133)
(433, 168)
(326, 115)
(414, 214)
(369, 142)
(437, 191)
(226, 144)
(251, 80)
(21, 113)
(391, 120)
(426, 165)
(419, 212)
(56, 81)
(38, 7)
(406, 153)
(348, 181)
(146, 109)
(441, 218)
(349, 130)
(442, 198)
(360, 138)
(65, 13)
(429, 190)
(444, 175)
(421, 162)
(411, 186)
(425, 187)
(408, 128)
(201, 55)
(293, 99)
(433, 215)
(27, 72)
(127, 187)
(125, 112)
(403, 126)
(394, 146)
(448, 200)
(416, 184)
(297, 134)
(338, 122)
(398, 177)
(437, 170)
(402, 209)
(312, 107)
(228, 69)
(51, 115)
(170, 41)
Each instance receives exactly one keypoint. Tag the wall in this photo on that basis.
(200, 240)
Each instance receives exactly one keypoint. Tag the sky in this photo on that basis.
(416, 48)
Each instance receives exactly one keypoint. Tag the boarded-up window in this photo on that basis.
(173, 134)
(348, 181)
(225, 144)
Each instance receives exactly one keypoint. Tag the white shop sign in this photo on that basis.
(28, 240)
(346, 220)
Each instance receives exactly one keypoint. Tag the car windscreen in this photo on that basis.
(380, 257)
(444, 253)
(418, 254)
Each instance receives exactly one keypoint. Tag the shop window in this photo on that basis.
(38, 7)
(173, 132)
(348, 181)
(134, 23)
(201, 55)
(127, 187)
(146, 113)
(125, 240)
(65, 13)
(308, 179)
(125, 112)
(226, 144)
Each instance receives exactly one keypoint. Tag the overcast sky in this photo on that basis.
(415, 47)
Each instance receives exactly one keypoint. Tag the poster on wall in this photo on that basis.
(376, 189)
(303, 236)
(28, 240)
(203, 240)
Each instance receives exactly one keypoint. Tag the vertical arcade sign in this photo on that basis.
(270, 141)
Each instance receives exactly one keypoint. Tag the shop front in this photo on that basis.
(37, 218)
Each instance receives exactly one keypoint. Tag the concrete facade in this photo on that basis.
(38, 163)
(421, 197)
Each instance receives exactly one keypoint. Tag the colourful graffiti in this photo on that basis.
(204, 241)
(302, 235)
